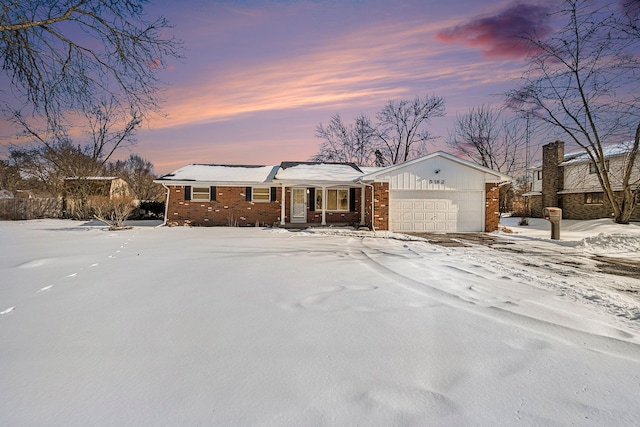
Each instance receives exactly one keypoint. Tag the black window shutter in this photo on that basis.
(212, 193)
(187, 192)
(312, 199)
(352, 199)
(248, 194)
(273, 196)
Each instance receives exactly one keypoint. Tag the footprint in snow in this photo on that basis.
(46, 288)
(72, 275)
(7, 311)
(94, 265)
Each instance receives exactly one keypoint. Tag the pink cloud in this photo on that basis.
(501, 35)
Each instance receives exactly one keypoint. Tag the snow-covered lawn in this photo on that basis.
(259, 327)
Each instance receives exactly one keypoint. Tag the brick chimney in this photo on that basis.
(552, 172)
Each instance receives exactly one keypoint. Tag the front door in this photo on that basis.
(298, 205)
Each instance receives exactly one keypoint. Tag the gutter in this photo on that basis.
(166, 206)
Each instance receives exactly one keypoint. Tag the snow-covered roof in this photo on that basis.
(92, 178)
(532, 193)
(318, 172)
(297, 172)
(575, 157)
(222, 173)
(370, 169)
(611, 150)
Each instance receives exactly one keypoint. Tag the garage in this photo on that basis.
(438, 192)
(436, 211)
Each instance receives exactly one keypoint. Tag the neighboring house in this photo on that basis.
(83, 194)
(569, 181)
(437, 192)
(106, 186)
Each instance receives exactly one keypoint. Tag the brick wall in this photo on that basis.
(535, 206)
(492, 207)
(230, 208)
(350, 218)
(381, 208)
(573, 207)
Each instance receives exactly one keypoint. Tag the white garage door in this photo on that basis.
(436, 211)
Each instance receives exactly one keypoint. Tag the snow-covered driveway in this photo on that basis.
(228, 326)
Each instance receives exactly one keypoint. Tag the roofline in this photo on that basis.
(290, 182)
(290, 164)
(209, 182)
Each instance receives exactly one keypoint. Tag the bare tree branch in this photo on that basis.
(60, 55)
(583, 81)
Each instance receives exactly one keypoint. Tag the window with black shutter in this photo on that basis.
(273, 194)
(248, 194)
(212, 191)
(187, 192)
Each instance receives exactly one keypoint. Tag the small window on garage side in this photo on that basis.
(200, 193)
(261, 194)
(593, 198)
(594, 169)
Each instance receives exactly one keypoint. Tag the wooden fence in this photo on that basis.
(20, 209)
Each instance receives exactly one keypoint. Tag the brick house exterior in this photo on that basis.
(568, 181)
(314, 193)
(492, 207)
(229, 207)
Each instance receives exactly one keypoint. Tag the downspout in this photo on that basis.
(373, 199)
(283, 210)
(166, 206)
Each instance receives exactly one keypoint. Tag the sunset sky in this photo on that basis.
(258, 76)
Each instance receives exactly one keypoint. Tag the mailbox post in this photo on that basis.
(554, 216)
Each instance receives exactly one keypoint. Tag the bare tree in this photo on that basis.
(10, 178)
(56, 157)
(582, 80)
(46, 167)
(401, 127)
(346, 143)
(138, 173)
(107, 128)
(60, 55)
(113, 211)
(489, 139)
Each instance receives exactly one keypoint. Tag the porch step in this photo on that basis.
(301, 226)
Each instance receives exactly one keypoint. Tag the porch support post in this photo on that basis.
(282, 205)
(362, 191)
(324, 205)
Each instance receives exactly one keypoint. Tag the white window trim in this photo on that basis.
(319, 192)
(194, 192)
(253, 194)
(593, 203)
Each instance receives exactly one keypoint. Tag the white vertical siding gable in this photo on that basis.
(437, 173)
